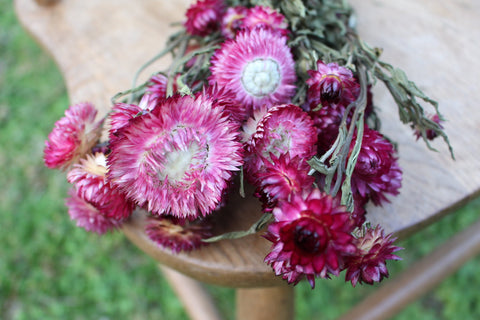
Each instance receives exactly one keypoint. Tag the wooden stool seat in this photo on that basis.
(99, 45)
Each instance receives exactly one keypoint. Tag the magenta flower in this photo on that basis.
(179, 158)
(120, 116)
(203, 17)
(257, 66)
(73, 136)
(232, 21)
(327, 121)
(178, 234)
(311, 236)
(266, 17)
(87, 216)
(430, 134)
(89, 179)
(156, 90)
(330, 84)
(285, 129)
(368, 264)
(376, 172)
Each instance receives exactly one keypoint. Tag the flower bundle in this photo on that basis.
(273, 92)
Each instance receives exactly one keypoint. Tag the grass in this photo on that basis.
(49, 269)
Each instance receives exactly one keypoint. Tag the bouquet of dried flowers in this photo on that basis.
(274, 93)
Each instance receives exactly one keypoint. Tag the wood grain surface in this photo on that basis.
(99, 45)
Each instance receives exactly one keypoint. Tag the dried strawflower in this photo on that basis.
(257, 66)
(90, 181)
(266, 17)
(368, 264)
(311, 236)
(203, 17)
(87, 216)
(232, 21)
(178, 158)
(376, 172)
(177, 234)
(73, 136)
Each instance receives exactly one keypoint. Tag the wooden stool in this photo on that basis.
(99, 45)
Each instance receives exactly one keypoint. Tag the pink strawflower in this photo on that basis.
(226, 100)
(284, 176)
(311, 237)
(232, 21)
(257, 66)
(178, 234)
(331, 84)
(285, 129)
(250, 126)
(73, 136)
(89, 179)
(87, 216)
(430, 134)
(156, 90)
(120, 116)
(203, 17)
(327, 122)
(178, 158)
(376, 172)
(266, 17)
(368, 264)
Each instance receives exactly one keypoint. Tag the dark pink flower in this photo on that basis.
(179, 158)
(89, 179)
(368, 264)
(156, 90)
(73, 136)
(266, 17)
(120, 117)
(203, 17)
(178, 234)
(330, 84)
(87, 216)
(311, 237)
(257, 66)
(376, 172)
(430, 134)
(327, 121)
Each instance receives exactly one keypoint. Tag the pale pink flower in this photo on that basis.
(257, 66)
(89, 179)
(87, 216)
(179, 158)
(73, 136)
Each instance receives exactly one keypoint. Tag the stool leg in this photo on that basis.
(196, 300)
(266, 303)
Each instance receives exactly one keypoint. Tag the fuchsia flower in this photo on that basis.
(257, 66)
(87, 216)
(311, 236)
(377, 171)
(73, 136)
(327, 121)
(120, 116)
(157, 89)
(368, 264)
(203, 17)
(330, 84)
(232, 21)
(178, 158)
(283, 129)
(266, 17)
(430, 134)
(177, 234)
(89, 179)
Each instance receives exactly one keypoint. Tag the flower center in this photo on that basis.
(177, 162)
(308, 239)
(261, 77)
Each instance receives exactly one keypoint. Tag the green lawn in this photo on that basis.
(49, 269)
